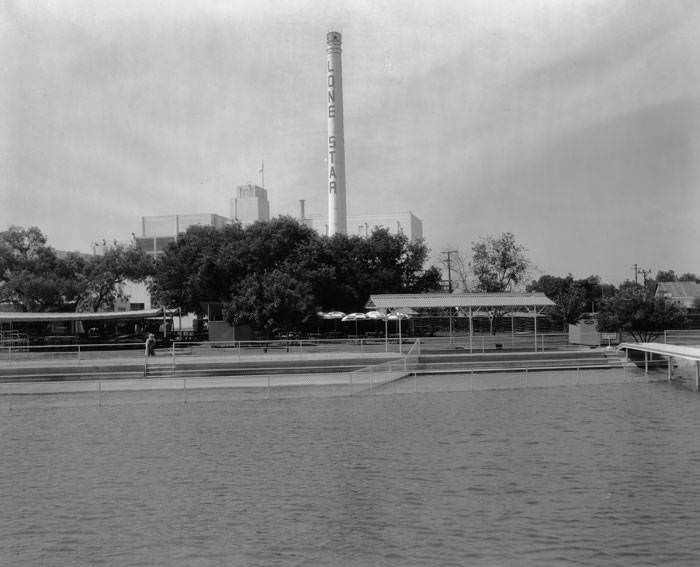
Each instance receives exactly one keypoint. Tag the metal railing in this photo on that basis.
(687, 337)
(74, 351)
(303, 348)
(525, 365)
(483, 342)
(373, 376)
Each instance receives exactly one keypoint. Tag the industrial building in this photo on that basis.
(250, 205)
(159, 231)
(363, 225)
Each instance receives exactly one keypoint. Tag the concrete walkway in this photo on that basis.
(164, 367)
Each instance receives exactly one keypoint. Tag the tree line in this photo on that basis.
(272, 275)
(276, 275)
(500, 264)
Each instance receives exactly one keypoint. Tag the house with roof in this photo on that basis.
(685, 293)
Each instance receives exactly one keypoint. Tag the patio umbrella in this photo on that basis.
(376, 315)
(397, 315)
(334, 315)
(331, 316)
(354, 317)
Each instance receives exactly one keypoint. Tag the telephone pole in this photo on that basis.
(449, 268)
(637, 271)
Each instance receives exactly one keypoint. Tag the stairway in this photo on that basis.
(513, 361)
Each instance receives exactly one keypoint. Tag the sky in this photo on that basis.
(575, 125)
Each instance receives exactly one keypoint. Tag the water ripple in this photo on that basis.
(596, 474)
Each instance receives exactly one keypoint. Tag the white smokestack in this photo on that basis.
(337, 213)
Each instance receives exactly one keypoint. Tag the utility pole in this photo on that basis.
(637, 271)
(449, 268)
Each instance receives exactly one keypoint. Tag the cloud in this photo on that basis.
(467, 113)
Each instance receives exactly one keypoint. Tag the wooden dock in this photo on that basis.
(668, 351)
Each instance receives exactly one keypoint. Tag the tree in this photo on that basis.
(459, 270)
(32, 276)
(104, 276)
(243, 268)
(200, 266)
(266, 244)
(670, 276)
(569, 296)
(379, 263)
(499, 264)
(666, 276)
(635, 311)
(272, 301)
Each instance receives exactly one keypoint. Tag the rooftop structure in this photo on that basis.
(250, 205)
(159, 231)
(363, 225)
(398, 223)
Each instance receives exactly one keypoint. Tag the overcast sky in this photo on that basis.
(573, 124)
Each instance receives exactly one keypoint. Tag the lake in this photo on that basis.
(436, 471)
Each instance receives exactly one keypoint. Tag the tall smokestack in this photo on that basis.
(337, 214)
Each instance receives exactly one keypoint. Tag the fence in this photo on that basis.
(585, 362)
(26, 352)
(13, 339)
(374, 376)
(483, 342)
(18, 349)
(289, 382)
(685, 337)
(224, 349)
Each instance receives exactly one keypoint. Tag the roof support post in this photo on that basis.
(471, 331)
(646, 363)
(451, 339)
(670, 364)
(386, 333)
(398, 320)
(697, 374)
(534, 318)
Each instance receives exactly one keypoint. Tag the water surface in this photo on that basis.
(588, 474)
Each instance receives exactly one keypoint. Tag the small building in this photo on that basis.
(685, 293)
(585, 332)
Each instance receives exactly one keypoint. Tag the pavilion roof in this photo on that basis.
(21, 317)
(393, 301)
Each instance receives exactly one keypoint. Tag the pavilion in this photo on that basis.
(471, 304)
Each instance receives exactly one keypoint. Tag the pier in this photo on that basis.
(669, 351)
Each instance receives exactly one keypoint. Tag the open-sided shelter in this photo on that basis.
(470, 304)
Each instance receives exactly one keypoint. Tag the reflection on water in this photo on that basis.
(430, 474)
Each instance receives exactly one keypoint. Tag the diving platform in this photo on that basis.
(668, 351)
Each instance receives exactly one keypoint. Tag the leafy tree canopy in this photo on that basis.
(569, 296)
(243, 267)
(103, 277)
(644, 316)
(499, 264)
(32, 276)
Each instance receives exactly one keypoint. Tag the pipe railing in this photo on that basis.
(241, 349)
